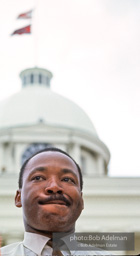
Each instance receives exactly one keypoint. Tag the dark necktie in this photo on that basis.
(55, 252)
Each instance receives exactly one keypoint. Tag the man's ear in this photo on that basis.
(18, 198)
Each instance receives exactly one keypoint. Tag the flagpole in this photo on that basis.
(36, 35)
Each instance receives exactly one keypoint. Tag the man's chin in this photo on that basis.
(57, 223)
(55, 209)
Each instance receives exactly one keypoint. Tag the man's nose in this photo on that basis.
(53, 187)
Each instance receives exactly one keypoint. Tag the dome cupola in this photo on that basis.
(36, 76)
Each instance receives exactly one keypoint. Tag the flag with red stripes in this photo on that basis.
(24, 30)
(25, 15)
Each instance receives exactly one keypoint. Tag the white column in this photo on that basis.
(19, 149)
(75, 152)
(100, 166)
(9, 158)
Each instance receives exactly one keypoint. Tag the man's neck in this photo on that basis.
(49, 233)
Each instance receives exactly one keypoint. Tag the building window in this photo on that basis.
(40, 79)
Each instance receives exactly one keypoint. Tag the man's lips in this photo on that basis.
(55, 200)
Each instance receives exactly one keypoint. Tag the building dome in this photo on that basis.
(37, 103)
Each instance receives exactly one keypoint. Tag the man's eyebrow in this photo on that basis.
(37, 169)
(65, 171)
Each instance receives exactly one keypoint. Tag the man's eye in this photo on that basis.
(67, 179)
(38, 178)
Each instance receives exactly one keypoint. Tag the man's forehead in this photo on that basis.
(51, 155)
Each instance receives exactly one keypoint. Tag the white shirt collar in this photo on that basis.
(35, 242)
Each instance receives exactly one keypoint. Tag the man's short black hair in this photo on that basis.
(45, 150)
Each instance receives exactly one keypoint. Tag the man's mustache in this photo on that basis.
(55, 198)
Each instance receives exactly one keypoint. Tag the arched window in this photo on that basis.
(32, 78)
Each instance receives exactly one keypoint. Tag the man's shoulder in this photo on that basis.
(10, 249)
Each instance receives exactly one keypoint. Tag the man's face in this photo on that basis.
(50, 196)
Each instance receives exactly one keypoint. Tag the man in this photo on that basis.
(50, 194)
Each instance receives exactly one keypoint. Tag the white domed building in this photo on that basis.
(36, 118)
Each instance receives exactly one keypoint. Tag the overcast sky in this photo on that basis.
(92, 47)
